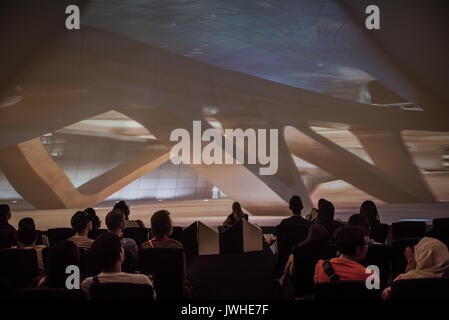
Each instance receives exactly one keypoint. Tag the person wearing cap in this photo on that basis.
(82, 225)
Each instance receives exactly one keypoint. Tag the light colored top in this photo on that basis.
(122, 277)
(432, 260)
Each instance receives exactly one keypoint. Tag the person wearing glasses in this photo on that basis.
(352, 244)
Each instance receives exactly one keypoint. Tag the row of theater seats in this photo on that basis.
(231, 275)
(18, 269)
(389, 258)
(402, 233)
(406, 290)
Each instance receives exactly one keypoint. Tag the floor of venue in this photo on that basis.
(213, 213)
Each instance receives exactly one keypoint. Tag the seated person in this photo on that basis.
(317, 238)
(26, 239)
(82, 225)
(236, 215)
(295, 206)
(325, 217)
(369, 210)
(61, 254)
(109, 255)
(161, 228)
(41, 238)
(7, 231)
(115, 221)
(123, 207)
(96, 222)
(428, 259)
(352, 243)
(360, 220)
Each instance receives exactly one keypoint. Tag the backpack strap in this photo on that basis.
(327, 268)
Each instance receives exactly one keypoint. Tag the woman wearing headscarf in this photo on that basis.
(429, 259)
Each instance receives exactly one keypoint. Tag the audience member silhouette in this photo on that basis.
(360, 220)
(26, 222)
(26, 239)
(428, 259)
(61, 254)
(236, 215)
(123, 207)
(352, 244)
(96, 222)
(317, 238)
(109, 255)
(295, 206)
(115, 221)
(7, 231)
(42, 239)
(326, 212)
(369, 210)
(161, 228)
(82, 225)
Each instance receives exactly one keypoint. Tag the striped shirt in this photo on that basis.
(82, 242)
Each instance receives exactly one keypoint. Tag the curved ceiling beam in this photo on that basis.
(29, 167)
(313, 148)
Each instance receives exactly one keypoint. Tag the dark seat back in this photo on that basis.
(19, 266)
(420, 289)
(49, 294)
(139, 235)
(289, 235)
(88, 266)
(397, 259)
(234, 276)
(6, 289)
(167, 266)
(57, 234)
(345, 290)
(95, 233)
(189, 240)
(39, 240)
(177, 233)
(441, 226)
(45, 252)
(305, 260)
(332, 227)
(408, 229)
(379, 233)
(120, 291)
(231, 238)
(380, 256)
